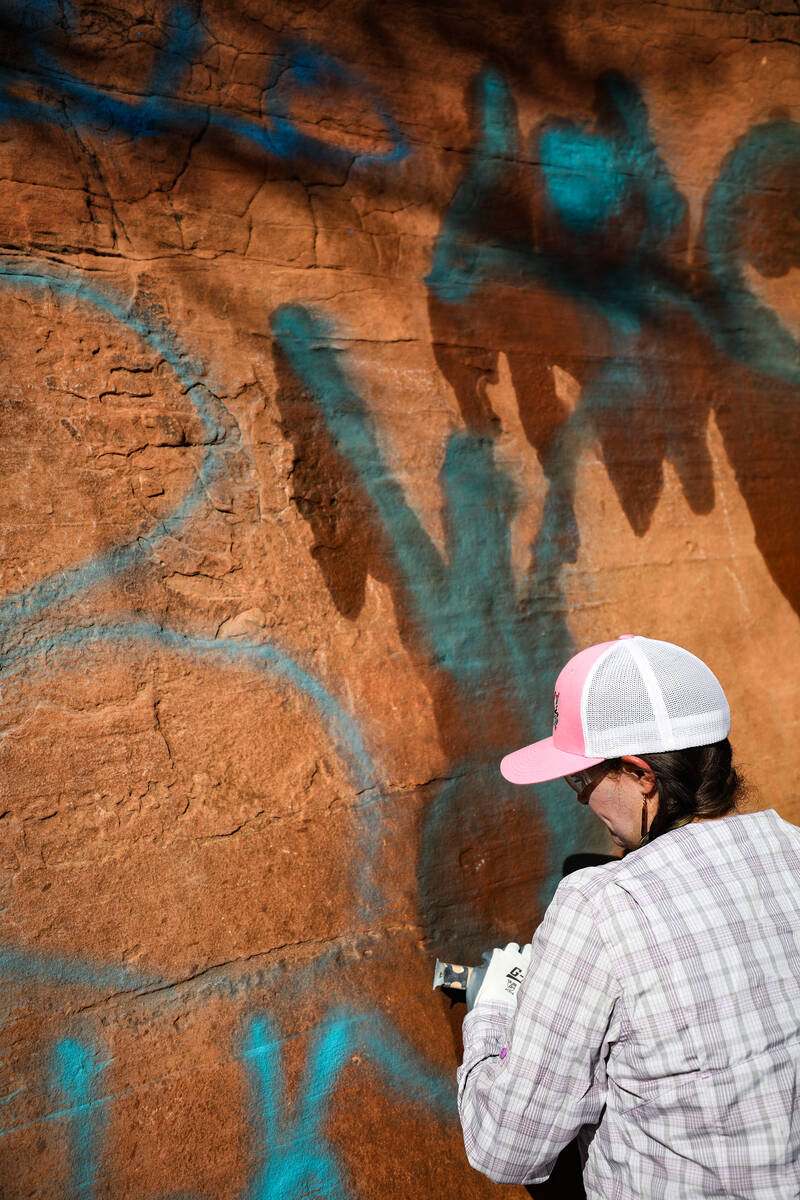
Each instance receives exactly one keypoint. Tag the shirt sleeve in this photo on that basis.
(533, 1077)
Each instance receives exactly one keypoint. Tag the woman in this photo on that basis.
(659, 1018)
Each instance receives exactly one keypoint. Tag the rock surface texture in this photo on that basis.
(360, 363)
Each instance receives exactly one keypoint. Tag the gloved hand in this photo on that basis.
(498, 982)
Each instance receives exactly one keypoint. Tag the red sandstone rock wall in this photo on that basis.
(360, 363)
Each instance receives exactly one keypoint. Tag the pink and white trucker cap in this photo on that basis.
(631, 696)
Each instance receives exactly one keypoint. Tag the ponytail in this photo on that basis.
(699, 782)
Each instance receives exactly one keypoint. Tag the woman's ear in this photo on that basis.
(643, 770)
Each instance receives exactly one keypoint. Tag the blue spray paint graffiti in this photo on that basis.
(492, 639)
(307, 70)
(584, 177)
(299, 1160)
(474, 581)
(26, 966)
(76, 1079)
(291, 1152)
(463, 256)
(302, 68)
(590, 176)
(612, 241)
(750, 331)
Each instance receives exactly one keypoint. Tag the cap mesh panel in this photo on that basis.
(619, 715)
(693, 697)
(617, 704)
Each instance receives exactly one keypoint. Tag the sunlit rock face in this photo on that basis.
(360, 364)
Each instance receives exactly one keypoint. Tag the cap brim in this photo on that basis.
(542, 761)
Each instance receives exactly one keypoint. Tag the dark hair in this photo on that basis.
(699, 781)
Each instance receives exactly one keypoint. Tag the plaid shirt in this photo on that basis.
(660, 1019)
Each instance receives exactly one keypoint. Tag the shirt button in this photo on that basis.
(504, 1052)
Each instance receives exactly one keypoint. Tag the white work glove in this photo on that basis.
(499, 981)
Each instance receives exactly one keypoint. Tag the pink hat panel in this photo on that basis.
(567, 723)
